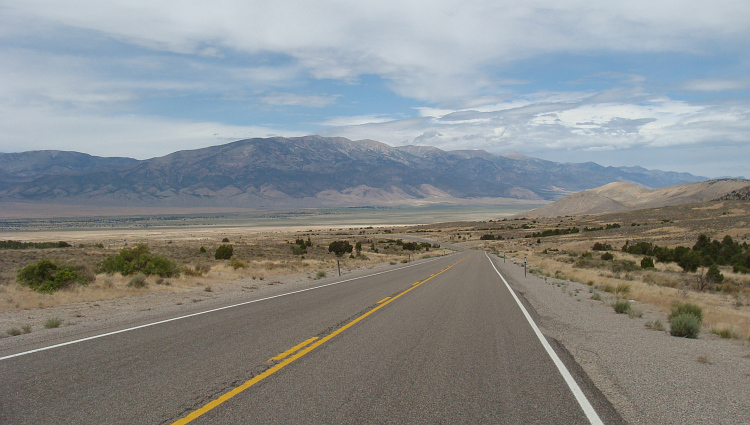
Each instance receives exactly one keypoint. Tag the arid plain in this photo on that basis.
(630, 357)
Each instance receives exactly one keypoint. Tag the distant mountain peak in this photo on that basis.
(517, 156)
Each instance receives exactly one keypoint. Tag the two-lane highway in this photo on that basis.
(442, 341)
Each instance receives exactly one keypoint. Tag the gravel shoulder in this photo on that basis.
(649, 376)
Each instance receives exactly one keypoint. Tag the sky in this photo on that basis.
(663, 85)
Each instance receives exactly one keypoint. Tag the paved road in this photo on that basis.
(439, 342)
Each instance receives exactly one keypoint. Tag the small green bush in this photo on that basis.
(298, 250)
(723, 332)
(320, 275)
(52, 322)
(685, 325)
(655, 325)
(596, 296)
(46, 276)
(223, 252)
(679, 308)
(202, 250)
(14, 332)
(225, 240)
(647, 263)
(621, 306)
(622, 289)
(607, 256)
(714, 274)
(139, 260)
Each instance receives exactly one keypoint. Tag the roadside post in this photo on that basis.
(524, 266)
(338, 264)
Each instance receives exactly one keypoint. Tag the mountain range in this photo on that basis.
(309, 171)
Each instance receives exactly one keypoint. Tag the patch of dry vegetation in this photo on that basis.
(570, 255)
(256, 256)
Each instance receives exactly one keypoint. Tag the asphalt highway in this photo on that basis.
(442, 341)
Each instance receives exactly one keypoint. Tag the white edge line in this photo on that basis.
(588, 410)
(206, 312)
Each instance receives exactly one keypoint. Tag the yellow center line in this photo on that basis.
(288, 352)
(305, 348)
(384, 299)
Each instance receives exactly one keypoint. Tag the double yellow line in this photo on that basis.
(296, 352)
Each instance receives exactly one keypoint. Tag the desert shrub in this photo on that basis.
(340, 247)
(320, 274)
(596, 296)
(35, 245)
(598, 246)
(52, 322)
(411, 246)
(685, 325)
(46, 276)
(679, 308)
(621, 306)
(202, 250)
(223, 252)
(237, 264)
(553, 232)
(139, 260)
(298, 250)
(714, 274)
(622, 289)
(607, 256)
(723, 332)
(624, 266)
(225, 240)
(655, 325)
(138, 281)
(14, 332)
(198, 270)
(647, 263)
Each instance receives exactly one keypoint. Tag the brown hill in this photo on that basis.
(620, 197)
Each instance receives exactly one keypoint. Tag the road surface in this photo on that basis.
(441, 341)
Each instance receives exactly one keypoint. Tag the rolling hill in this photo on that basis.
(621, 197)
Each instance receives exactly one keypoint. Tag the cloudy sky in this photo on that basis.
(662, 84)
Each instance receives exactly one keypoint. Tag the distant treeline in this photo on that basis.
(704, 253)
(32, 245)
(555, 232)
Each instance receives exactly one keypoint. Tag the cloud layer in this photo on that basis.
(564, 79)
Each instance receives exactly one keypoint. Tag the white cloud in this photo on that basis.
(433, 51)
(291, 99)
(717, 84)
(355, 120)
(572, 123)
(134, 136)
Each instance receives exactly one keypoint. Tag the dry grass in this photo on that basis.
(726, 308)
(661, 289)
(259, 256)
